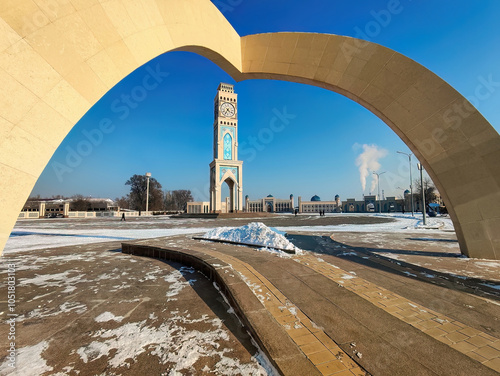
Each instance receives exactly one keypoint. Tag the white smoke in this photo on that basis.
(368, 162)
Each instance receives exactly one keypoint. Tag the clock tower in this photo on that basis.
(226, 168)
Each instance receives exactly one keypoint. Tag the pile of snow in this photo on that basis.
(255, 233)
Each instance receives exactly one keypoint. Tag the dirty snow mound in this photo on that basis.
(255, 233)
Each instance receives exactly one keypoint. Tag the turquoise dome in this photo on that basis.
(270, 196)
(315, 198)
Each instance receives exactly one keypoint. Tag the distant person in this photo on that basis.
(123, 217)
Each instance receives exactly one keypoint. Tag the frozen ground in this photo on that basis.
(399, 223)
(135, 303)
(90, 310)
(49, 233)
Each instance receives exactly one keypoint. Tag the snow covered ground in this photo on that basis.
(107, 307)
(29, 238)
(401, 223)
(37, 234)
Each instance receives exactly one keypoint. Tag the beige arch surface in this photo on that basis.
(59, 57)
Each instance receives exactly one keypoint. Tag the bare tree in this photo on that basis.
(169, 202)
(182, 197)
(80, 203)
(429, 190)
(123, 202)
(137, 195)
(177, 200)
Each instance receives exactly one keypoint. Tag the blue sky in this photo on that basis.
(169, 133)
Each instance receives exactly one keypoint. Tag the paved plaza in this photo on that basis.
(370, 295)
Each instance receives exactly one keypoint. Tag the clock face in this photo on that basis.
(227, 109)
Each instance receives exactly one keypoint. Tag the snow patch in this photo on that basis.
(63, 308)
(29, 361)
(171, 343)
(255, 233)
(491, 285)
(177, 284)
(410, 274)
(108, 316)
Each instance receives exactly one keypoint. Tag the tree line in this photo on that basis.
(159, 200)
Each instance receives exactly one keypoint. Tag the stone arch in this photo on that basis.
(232, 184)
(82, 49)
(454, 142)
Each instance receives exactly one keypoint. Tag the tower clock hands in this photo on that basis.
(227, 109)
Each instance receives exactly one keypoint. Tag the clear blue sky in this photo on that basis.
(170, 133)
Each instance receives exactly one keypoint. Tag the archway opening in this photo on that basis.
(228, 195)
(444, 160)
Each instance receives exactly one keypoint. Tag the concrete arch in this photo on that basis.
(57, 58)
(233, 194)
(458, 148)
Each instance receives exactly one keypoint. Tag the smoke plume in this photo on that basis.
(367, 163)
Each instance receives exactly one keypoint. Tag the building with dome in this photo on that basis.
(315, 205)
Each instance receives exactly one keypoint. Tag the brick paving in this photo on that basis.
(472, 342)
(361, 303)
(324, 353)
(334, 355)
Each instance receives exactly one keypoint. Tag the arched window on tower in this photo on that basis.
(228, 147)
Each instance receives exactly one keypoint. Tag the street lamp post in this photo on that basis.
(411, 182)
(421, 168)
(378, 182)
(148, 175)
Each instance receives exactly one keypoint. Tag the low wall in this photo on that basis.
(84, 214)
(29, 215)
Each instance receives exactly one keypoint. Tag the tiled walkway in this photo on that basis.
(472, 342)
(280, 286)
(325, 354)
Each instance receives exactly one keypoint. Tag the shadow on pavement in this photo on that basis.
(371, 258)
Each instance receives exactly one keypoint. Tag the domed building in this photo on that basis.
(315, 205)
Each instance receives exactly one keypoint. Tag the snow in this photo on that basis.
(255, 233)
(41, 312)
(108, 316)
(177, 284)
(348, 276)
(30, 235)
(55, 280)
(493, 286)
(401, 223)
(410, 274)
(29, 361)
(173, 344)
(25, 239)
